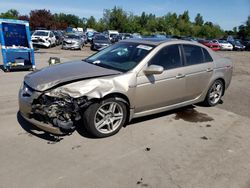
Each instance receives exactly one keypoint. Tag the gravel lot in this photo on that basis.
(191, 147)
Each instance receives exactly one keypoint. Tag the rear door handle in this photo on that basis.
(180, 76)
(209, 69)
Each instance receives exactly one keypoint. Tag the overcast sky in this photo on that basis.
(226, 13)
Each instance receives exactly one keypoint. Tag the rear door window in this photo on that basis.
(193, 54)
(207, 56)
(168, 57)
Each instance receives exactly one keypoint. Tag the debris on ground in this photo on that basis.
(56, 140)
(147, 149)
(140, 182)
(208, 125)
(204, 138)
(76, 147)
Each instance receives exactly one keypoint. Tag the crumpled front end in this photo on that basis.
(58, 110)
(57, 115)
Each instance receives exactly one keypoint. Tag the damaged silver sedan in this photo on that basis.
(130, 79)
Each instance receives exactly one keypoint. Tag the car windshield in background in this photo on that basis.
(100, 37)
(113, 35)
(72, 37)
(237, 42)
(223, 41)
(41, 33)
(121, 56)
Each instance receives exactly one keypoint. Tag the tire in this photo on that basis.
(49, 45)
(105, 118)
(214, 93)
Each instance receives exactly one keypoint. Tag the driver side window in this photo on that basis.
(168, 57)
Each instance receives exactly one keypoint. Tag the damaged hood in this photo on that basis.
(52, 76)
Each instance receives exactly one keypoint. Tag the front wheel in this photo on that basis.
(105, 118)
(214, 93)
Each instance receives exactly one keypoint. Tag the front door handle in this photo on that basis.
(180, 76)
(209, 69)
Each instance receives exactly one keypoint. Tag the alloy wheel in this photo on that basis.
(108, 117)
(216, 92)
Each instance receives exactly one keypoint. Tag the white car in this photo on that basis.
(224, 45)
(43, 38)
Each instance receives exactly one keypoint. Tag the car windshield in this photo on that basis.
(121, 56)
(113, 35)
(41, 33)
(237, 42)
(100, 37)
(223, 41)
(72, 37)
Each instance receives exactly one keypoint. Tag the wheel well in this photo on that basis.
(119, 95)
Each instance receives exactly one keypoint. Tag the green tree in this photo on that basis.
(199, 20)
(10, 14)
(91, 22)
(115, 18)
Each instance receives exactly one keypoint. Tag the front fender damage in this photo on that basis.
(96, 88)
(62, 107)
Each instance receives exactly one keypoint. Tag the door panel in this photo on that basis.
(198, 70)
(160, 90)
(157, 91)
(197, 79)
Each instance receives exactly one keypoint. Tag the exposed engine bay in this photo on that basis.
(62, 112)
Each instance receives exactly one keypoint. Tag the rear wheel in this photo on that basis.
(105, 118)
(214, 93)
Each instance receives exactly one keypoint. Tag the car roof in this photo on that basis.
(150, 41)
(42, 30)
(159, 41)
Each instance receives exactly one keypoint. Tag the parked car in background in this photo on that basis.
(73, 42)
(192, 39)
(210, 44)
(43, 38)
(246, 43)
(123, 36)
(132, 78)
(82, 35)
(114, 38)
(136, 36)
(224, 45)
(111, 33)
(159, 36)
(59, 37)
(90, 36)
(237, 46)
(100, 41)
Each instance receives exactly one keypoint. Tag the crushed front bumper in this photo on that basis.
(25, 108)
(71, 46)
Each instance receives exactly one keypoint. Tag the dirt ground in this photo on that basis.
(192, 147)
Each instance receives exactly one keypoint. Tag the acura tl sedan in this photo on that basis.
(129, 79)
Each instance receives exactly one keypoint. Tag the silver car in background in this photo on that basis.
(129, 79)
(73, 42)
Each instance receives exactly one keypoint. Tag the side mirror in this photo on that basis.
(153, 69)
